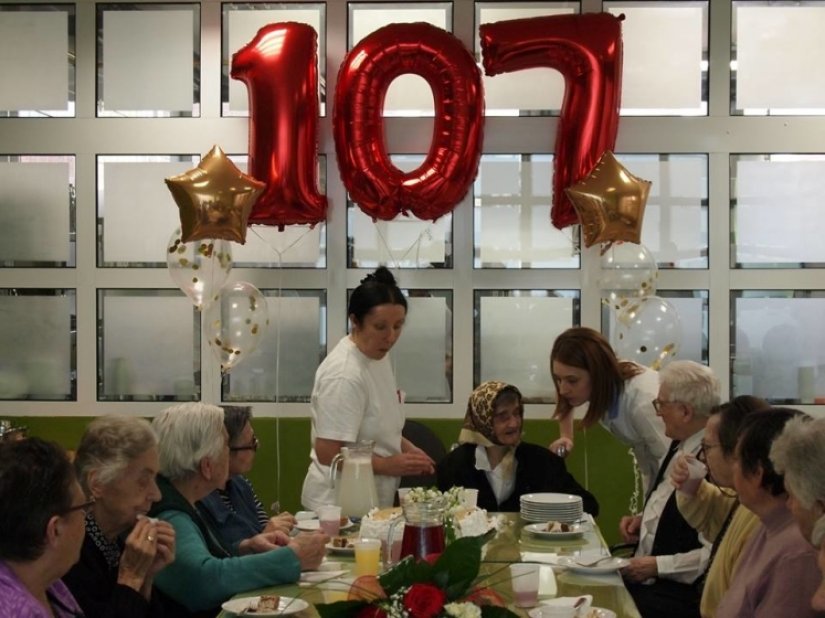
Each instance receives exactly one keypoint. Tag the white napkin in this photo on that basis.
(313, 577)
(539, 556)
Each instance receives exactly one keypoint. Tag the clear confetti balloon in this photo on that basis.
(628, 274)
(199, 268)
(243, 320)
(650, 334)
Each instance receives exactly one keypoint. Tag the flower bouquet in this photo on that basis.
(439, 587)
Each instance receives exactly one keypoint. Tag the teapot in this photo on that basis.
(424, 531)
(355, 490)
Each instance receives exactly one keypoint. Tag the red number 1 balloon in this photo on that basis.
(279, 68)
(587, 50)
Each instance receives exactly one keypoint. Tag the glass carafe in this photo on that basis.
(424, 529)
(355, 489)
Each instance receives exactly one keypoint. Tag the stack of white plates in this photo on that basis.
(551, 507)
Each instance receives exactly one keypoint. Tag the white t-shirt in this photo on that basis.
(354, 398)
(637, 425)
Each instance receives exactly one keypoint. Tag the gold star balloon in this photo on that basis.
(610, 202)
(214, 199)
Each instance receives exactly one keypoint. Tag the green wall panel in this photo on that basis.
(599, 461)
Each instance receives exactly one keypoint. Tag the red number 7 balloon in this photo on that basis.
(279, 68)
(587, 50)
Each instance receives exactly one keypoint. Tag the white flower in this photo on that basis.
(463, 610)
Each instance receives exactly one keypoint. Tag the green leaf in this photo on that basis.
(493, 611)
(405, 573)
(340, 609)
(458, 566)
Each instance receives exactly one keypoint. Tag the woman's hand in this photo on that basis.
(139, 554)
(263, 542)
(679, 473)
(561, 447)
(165, 547)
(282, 522)
(411, 463)
(309, 548)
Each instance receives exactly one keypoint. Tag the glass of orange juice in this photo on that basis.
(367, 556)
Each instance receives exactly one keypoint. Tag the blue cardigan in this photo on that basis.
(232, 525)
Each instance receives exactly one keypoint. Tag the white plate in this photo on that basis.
(593, 612)
(540, 530)
(286, 606)
(608, 566)
(343, 551)
(542, 499)
(310, 525)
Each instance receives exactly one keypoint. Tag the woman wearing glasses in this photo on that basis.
(713, 509)
(41, 519)
(493, 459)
(116, 464)
(234, 511)
(619, 395)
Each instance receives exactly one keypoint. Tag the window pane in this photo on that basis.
(38, 358)
(149, 346)
(37, 211)
(530, 92)
(296, 246)
(665, 70)
(675, 225)
(776, 57)
(404, 242)
(776, 210)
(283, 366)
(134, 232)
(37, 60)
(514, 332)
(241, 23)
(779, 345)
(692, 309)
(163, 80)
(512, 229)
(408, 95)
(423, 356)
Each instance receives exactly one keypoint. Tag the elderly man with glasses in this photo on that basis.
(235, 512)
(671, 556)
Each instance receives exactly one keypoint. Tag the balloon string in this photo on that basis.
(416, 244)
(280, 253)
(278, 373)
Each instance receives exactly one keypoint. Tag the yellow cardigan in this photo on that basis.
(706, 512)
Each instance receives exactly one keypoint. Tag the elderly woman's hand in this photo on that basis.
(263, 542)
(165, 554)
(282, 522)
(138, 555)
(309, 548)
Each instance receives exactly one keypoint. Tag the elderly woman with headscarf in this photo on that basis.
(194, 461)
(41, 529)
(799, 454)
(116, 463)
(234, 512)
(492, 458)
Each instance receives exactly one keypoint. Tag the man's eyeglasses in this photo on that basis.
(86, 507)
(253, 446)
(658, 404)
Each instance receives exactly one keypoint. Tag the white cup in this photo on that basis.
(696, 472)
(329, 518)
(525, 581)
(402, 493)
(469, 498)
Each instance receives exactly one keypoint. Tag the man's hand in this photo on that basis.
(629, 527)
(640, 569)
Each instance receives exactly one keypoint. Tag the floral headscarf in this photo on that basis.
(478, 421)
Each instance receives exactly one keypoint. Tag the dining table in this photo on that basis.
(510, 540)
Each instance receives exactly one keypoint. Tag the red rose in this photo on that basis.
(371, 611)
(424, 600)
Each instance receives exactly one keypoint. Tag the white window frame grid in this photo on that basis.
(719, 134)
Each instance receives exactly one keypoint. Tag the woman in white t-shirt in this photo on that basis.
(619, 395)
(355, 397)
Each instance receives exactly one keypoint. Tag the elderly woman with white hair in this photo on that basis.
(194, 461)
(116, 463)
(799, 454)
(818, 601)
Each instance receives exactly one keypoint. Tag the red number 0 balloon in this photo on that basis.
(587, 50)
(438, 185)
(279, 68)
